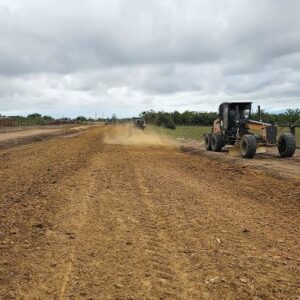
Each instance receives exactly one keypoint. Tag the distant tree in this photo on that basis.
(34, 116)
(177, 117)
(164, 120)
(81, 119)
(292, 116)
(114, 119)
(47, 118)
(187, 117)
(149, 116)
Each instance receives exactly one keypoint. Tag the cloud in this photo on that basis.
(67, 57)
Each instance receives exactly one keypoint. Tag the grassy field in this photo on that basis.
(196, 132)
(189, 132)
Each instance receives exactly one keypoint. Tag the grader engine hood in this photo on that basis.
(268, 132)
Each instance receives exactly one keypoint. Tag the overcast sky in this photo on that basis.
(71, 57)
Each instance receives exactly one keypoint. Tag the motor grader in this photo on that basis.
(235, 127)
(139, 123)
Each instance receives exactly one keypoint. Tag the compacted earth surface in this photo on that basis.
(96, 217)
(14, 136)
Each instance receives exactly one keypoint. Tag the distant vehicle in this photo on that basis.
(139, 123)
(234, 127)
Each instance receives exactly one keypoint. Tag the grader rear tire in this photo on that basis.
(207, 141)
(217, 142)
(248, 146)
(286, 145)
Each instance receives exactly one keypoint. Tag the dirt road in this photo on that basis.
(83, 219)
(267, 160)
(15, 136)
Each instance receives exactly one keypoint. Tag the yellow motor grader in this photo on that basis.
(235, 127)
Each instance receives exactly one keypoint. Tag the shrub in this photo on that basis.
(164, 120)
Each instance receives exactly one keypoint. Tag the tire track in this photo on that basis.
(67, 275)
(211, 238)
(167, 279)
(78, 214)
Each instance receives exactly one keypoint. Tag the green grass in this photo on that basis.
(196, 132)
(189, 132)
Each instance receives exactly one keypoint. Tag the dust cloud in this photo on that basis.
(129, 135)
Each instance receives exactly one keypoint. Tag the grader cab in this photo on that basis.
(235, 127)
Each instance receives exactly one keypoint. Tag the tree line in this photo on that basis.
(291, 117)
(171, 119)
(38, 119)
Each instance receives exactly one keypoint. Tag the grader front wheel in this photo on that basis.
(286, 145)
(248, 146)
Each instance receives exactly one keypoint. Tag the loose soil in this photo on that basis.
(87, 218)
(267, 159)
